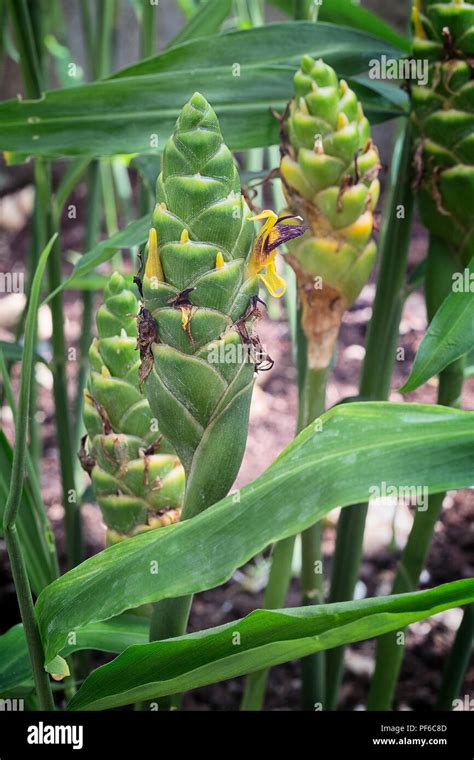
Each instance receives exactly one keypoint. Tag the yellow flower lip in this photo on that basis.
(272, 235)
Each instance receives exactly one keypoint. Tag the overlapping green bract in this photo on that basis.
(197, 287)
(137, 477)
(329, 171)
(443, 115)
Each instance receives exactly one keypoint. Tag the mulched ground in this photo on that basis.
(271, 429)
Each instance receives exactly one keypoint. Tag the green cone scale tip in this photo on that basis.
(200, 284)
(137, 477)
(443, 117)
(329, 169)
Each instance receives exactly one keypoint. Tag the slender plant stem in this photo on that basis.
(106, 15)
(26, 43)
(31, 72)
(274, 598)
(99, 51)
(26, 46)
(88, 35)
(312, 399)
(312, 578)
(282, 553)
(46, 531)
(457, 662)
(170, 618)
(147, 48)
(17, 561)
(91, 235)
(305, 10)
(61, 400)
(147, 29)
(376, 375)
(390, 647)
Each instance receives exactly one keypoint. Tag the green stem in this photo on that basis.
(88, 35)
(390, 647)
(147, 48)
(170, 616)
(311, 406)
(92, 231)
(25, 603)
(58, 366)
(282, 552)
(147, 29)
(305, 10)
(457, 662)
(312, 399)
(31, 72)
(106, 15)
(17, 561)
(170, 619)
(26, 46)
(274, 598)
(26, 43)
(312, 578)
(46, 531)
(376, 375)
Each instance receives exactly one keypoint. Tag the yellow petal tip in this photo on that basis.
(303, 106)
(417, 25)
(184, 236)
(219, 260)
(153, 265)
(342, 121)
(343, 86)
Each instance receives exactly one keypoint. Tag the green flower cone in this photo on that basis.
(200, 284)
(329, 169)
(137, 477)
(443, 117)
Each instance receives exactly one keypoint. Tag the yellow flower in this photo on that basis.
(262, 260)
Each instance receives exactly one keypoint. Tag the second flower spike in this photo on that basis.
(329, 170)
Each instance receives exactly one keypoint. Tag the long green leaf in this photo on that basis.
(261, 639)
(277, 44)
(109, 636)
(134, 112)
(206, 21)
(359, 446)
(354, 15)
(449, 336)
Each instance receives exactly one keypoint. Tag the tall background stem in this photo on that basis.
(457, 662)
(312, 577)
(441, 264)
(376, 375)
(12, 540)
